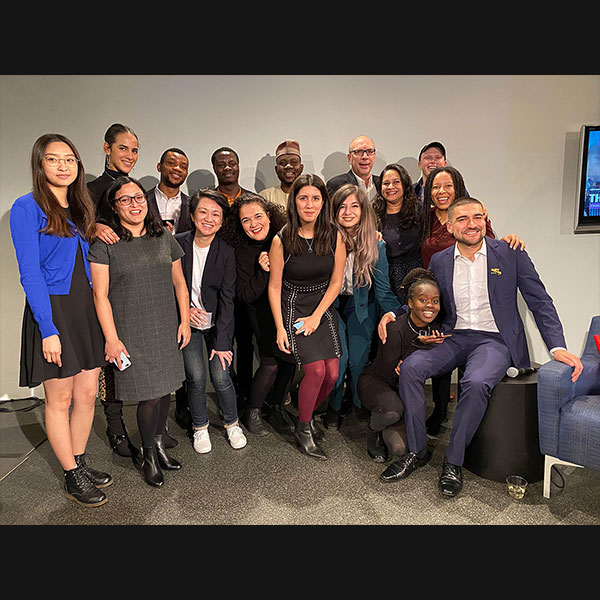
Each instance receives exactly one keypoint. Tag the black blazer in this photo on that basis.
(218, 284)
(184, 222)
(335, 183)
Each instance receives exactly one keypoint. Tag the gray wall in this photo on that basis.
(514, 138)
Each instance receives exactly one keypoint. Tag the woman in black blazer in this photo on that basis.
(210, 273)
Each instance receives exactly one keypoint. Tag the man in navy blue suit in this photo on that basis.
(478, 279)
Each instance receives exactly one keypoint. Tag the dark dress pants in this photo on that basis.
(486, 359)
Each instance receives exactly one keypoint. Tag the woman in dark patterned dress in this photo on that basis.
(307, 260)
(137, 309)
(61, 341)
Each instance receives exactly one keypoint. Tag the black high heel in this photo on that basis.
(151, 467)
(306, 442)
(164, 460)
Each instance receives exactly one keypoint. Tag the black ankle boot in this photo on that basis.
(121, 444)
(168, 439)
(78, 487)
(151, 466)
(255, 423)
(376, 446)
(318, 433)
(281, 420)
(306, 442)
(98, 478)
(165, 461)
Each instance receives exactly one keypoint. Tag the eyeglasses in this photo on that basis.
(54, 161)
(359, 153)
(127, 200)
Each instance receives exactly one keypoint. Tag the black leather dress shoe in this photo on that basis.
(451, 481)
(404, 466)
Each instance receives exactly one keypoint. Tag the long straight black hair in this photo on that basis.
(325, 230)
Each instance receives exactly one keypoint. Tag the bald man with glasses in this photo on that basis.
(361, 157)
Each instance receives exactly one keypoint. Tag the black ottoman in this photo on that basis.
(507, 440)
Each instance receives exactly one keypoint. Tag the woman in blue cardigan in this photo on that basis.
(365, 289)
(62, 346)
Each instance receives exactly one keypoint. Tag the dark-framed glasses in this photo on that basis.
(359, 153)
(127, 200)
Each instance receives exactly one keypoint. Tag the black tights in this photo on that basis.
(152, 418)
(272, 373)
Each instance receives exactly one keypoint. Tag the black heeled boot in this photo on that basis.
(78, 487)
(282, 420)
(151, 467)
(318, 433)
(306, 442)
(121, 444)
(255, 423)
(169, 440)
(165, 461)
(98, 478)
(376, 446)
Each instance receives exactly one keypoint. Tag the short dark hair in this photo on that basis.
(223, 149)
(211, 194)
(177, 150)
(461, 202)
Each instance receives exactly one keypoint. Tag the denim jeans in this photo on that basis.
(194, 360)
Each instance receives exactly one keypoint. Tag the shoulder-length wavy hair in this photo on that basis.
(80, 202)
(325, 230)
(409, 212)
(232, 231)
(152, 222)
(460, 191)
(364, 243)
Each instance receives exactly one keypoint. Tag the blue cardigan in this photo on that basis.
(45, 261)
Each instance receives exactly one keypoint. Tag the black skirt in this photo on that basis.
(82, 342)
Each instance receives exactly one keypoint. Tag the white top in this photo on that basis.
(473, 310)
(169, 208)
(200, 255)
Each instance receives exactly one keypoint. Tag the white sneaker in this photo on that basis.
(236, 436)
(202, 441)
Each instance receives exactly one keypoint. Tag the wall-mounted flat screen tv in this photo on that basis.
(587, 209)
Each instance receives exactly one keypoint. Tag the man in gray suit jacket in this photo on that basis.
(166, 198)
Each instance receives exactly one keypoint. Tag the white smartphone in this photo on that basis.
(125, 362)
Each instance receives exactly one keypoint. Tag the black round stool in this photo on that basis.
(507, 440)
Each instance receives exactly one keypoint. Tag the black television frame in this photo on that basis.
(585, 223)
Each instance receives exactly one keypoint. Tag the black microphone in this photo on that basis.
(514, 372)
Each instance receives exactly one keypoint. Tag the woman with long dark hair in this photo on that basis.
(138, 290)
(307, 260)
(61, 340)
(250, 229)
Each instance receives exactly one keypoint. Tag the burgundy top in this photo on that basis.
(440, 238)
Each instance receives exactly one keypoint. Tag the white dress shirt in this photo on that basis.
(169, 208)
(473, 310)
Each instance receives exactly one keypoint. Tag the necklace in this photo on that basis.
(309, 243)
(419, 332)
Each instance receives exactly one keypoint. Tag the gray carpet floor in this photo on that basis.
(270, 483)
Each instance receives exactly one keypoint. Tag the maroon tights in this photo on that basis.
(318, 381)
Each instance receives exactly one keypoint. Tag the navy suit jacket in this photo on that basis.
(184, 222)
(507, 271)
(218, 284)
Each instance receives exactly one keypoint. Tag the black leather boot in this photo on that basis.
(165, 461)
(282, 420)
(98, 478)
(121, 444)
(317, 432)
(78, 487)
(151, 467)
(255, 423)
(306, 442)
(169, 440)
